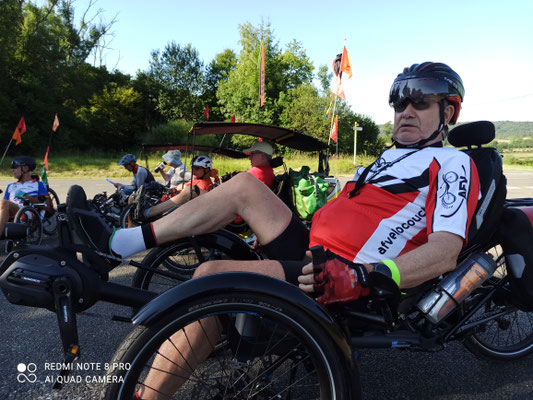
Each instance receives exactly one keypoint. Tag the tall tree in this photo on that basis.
(216, 72)
(178, 74)
(284, 70)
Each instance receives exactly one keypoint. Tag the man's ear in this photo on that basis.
(448, 113)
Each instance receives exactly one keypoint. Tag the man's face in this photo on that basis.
(199, 172)
(17, 172)
(257, 158)
(130, 167)
(412, 125)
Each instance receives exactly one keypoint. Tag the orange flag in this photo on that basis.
(334, 130)
(56, 123)
(233, 118)
(262, 76)
(19, 130)
(206, 112)
(345, 63)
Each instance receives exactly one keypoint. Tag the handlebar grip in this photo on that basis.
(319, 258)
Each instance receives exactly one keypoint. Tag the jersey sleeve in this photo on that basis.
(453, 195)
(6, 194)
(41, 189)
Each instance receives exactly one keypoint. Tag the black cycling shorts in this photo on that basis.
(289, 249)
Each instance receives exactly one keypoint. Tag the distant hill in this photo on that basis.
(504, 129)
(513, 129)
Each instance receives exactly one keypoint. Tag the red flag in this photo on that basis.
(206, 112)
(334, 130)
(55, 125)
(337, 88)
(19, 130)
(345, 63)
(46, 158)
(233, 118)
(262, 76)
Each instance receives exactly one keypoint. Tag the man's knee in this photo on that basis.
(210, 267)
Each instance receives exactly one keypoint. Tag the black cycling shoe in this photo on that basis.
(140, 202)
(90, 226)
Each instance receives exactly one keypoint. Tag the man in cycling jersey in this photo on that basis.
(141, 176)
(406, 216)
(24, 189)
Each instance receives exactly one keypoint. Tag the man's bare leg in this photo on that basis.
(183, 197)
(244, 195)
(186, 349)
(8, 210)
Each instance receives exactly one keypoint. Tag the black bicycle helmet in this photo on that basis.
(429, 80)
(20, 161)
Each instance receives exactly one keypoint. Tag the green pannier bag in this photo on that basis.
(310, 192)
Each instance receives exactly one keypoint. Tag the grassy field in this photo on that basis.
(98, 167)
(93, 166)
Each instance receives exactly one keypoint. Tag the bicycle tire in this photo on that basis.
(180, 259)
(124, 214)
(50, 221)
(275, 351)
(507, 338)
(32, 219)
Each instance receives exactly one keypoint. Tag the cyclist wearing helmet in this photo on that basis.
(406, 216)
(141, 176)
(24, 189)
(200, 184)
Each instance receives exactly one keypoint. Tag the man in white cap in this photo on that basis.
(177, 173)
(260, 156)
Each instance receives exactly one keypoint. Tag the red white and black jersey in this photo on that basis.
(408, 195)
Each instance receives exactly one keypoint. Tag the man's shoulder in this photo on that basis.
(451, 153)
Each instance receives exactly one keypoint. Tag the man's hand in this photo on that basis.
(307, 279)
(335, 280)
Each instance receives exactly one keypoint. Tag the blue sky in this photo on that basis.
(489, 43)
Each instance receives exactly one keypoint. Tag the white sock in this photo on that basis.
(126, 242)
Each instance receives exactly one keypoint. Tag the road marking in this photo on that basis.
(514, 187)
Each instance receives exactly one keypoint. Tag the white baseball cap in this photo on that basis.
(263, 147)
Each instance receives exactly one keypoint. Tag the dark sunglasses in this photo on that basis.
(418, 105)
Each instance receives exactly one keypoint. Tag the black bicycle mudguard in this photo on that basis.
(226, 241)
(226, 283)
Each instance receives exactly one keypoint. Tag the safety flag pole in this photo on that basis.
(44, 175)
(262, 74)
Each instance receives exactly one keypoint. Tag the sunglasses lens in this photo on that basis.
(418, 105)
(420, 92)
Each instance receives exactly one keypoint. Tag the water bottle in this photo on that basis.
(468, 276)
(160, 166)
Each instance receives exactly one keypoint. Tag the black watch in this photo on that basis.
(383, 269)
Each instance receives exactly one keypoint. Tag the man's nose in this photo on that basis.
(409, 110)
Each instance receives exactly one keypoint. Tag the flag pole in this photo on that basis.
(5, 152)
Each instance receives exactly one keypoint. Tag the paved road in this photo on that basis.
(30, 336)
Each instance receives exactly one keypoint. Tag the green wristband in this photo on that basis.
(394, 270)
